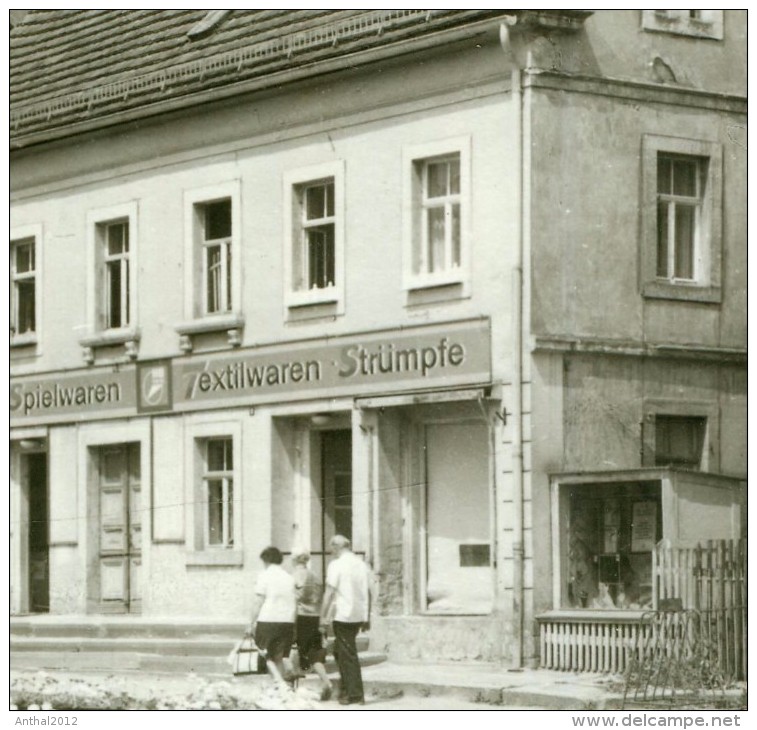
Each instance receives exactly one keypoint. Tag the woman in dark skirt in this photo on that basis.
(307, 630)
(273, 613)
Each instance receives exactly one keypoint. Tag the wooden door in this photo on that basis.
(120, 529)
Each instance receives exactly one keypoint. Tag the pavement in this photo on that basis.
(171, 647)
(388, 684)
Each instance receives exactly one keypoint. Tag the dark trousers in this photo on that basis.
(345, 653)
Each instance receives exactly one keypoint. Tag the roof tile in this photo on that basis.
(69, 65)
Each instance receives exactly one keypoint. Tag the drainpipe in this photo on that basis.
(516, 651)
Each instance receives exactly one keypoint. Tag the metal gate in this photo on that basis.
(673, 663)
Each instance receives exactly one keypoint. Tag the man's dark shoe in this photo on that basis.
(348, 701)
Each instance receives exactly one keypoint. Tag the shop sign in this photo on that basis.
(79, 395)
(378, 362)
(414, 358)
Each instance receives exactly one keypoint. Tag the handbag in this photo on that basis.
(246, 658)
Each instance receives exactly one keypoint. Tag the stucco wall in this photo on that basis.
(613, 43)
(257, 142)
(67, 587)
(449, 638)
(586, 240)
(606, 398)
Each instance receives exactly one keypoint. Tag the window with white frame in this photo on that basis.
(111, 277)
(212, 255)
(681, 219)
(216, 256)
(698, 23)
(314, 221)
(23, 272)
(213, 518)
(316, 258)
(115, 290)
(438, 249)
(218, 493)
(437, 208)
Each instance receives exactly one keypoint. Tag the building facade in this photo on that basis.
(462, 285)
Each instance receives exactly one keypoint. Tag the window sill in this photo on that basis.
(682, 292)
(129, 338)
(430, 281)
(331, 295)
(28, 339)
(232, 324)
(592, 615)
(220, 557)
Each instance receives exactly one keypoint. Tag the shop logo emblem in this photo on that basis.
(154, 386)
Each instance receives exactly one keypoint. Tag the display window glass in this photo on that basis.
(612, 531)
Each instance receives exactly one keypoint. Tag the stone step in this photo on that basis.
(99, 634)
(213, 665)
(118, 627)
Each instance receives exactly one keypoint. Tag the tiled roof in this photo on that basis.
(69, 66)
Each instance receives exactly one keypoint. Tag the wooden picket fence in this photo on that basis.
(707, 582)
(711, 579)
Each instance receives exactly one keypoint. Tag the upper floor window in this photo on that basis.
(679, 216)
(23, 271)
(681, 219)
(316, 260)
(114, 240)
(216, 256)
(438, 248)
(437, 202)
(212, 255)
(698, 23)
(314, 235)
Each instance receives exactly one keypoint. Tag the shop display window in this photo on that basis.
(612, 531)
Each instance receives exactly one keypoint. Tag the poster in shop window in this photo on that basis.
(644, 527)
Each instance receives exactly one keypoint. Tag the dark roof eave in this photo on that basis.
(486, 29)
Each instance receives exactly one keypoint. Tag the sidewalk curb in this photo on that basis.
(495, 696)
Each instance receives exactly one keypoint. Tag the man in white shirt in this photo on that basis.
(273, 612)
(348, 591)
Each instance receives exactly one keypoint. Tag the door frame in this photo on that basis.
(90, 437)
(309, 484)
(131, 514)
(421, 426)
(37, 442)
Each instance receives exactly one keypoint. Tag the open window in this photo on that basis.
(112, 237)
(212, 255)
(25, 246)
(314, 238)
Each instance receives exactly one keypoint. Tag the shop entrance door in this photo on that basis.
(457, 520)
(39, 554)
(336, 481)
(120, 528)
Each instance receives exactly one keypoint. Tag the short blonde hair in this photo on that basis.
(340, 541)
